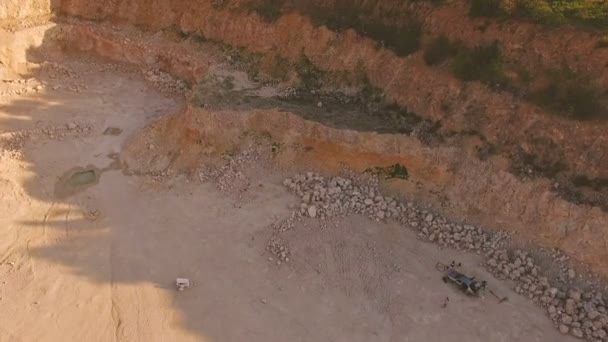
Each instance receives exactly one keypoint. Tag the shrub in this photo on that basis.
(309, 74)
(486, 8)
(573, 96)
(393, 171)
(482, 63)
(399, 31)
(586, 13)
(403, 39)
(603, 42)
(439, 50)
(269, 10)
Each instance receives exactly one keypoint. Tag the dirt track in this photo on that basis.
(100, 265)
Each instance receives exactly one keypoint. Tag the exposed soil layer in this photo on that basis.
(468, 188)
(100, 265)
(535, 140)
(484, 191)
(181, 101)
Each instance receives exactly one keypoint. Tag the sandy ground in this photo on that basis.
(100, 265)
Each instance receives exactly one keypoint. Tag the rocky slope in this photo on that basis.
(531, 136)
(496, 156)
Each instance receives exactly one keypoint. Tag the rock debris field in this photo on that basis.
(582, 314)
(310, 257)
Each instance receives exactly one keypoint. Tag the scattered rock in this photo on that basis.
(577, 332)
(312, 211)
(575, 295)
(570, 306)
(325, 197)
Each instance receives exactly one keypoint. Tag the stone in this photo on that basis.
(553, 292)
(306, 198)
(517, 262)
(567, 320)
(570, 306)
(428, 218)
(593, 314)
(571, 274)
(577, 332)
(312, 211)
(72, 126)
(563, 329)
(573, 294)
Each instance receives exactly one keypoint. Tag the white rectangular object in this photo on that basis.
(182, 283)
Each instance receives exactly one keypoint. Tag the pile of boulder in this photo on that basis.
(582, 314)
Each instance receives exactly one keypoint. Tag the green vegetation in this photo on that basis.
(389, 172)
(394, 26)
(309, 74)
(399, 31)
(586, 13)
(276, 148)
(482, 63)
(440, 50)
(596, 184)
(269, 10)
(573, 96)
(280, 68)
(566, 92)
(486, 8)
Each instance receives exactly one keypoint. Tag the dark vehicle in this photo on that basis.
(468, 285)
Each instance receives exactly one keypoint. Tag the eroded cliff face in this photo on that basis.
(523, 130)
(467, 187)
(551, 149)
